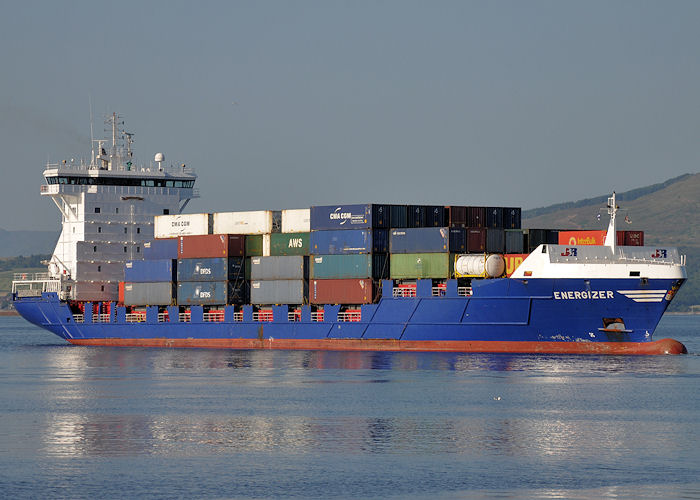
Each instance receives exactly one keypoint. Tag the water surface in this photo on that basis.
(106, 422)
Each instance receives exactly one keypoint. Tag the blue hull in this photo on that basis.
(504, 310)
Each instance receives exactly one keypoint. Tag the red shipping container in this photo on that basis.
(476, 216)
(121, 292)
(476, 240)
(348, 291)
(456, 216)
(513, 260)
(211, 245)
(634, 238)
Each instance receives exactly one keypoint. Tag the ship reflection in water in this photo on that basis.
(125, 402)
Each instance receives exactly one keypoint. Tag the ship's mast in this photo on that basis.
(611, 236)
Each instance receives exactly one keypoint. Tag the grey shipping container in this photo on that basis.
(211, 292)
(495, 241)
(279, 292)
(515, 241)
(419, 240)
(211, 269)
(288, 267)
(340, 266)
(149, 294)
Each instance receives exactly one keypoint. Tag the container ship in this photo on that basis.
(130, 268)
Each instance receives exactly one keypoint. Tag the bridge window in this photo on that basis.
(138, 230)
(166, 211)
(124, 249)
(99, 269)
(97, 210)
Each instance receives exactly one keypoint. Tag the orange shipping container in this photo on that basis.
(582, 237)
(513, 260)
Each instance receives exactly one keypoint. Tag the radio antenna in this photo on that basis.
(92, 137)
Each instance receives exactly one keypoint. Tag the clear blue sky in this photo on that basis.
(522, 103)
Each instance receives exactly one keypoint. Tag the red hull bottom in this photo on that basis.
(664, 346)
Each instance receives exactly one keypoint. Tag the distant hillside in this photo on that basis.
(668, 213)
(14, 243)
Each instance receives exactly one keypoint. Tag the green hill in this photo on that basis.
(668, 213)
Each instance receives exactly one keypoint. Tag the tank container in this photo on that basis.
(341, 291)
(289, 244)
(211, 269)
(340, 266)
(419, 240)
(145, 271)
(476, 240)
(514, 241)
(292, 267)
(296, 220)
(340, 242)
(211, 292)
(160, 249)
(149, 294)
(279, 292)
(250, 222)
(420, 265)
(495, 240)
(172, 226)
(349, 217)
(484, 266)
(213, 245)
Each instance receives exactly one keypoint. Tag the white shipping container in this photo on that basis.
(172, 226)
(252, 222)
(296, 220)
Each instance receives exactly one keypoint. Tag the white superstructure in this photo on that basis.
(603, 261)
(107, 208)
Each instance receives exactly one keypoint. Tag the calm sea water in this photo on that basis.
(89, 422)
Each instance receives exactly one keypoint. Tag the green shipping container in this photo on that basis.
(247, 269)
(254, 245)
(289, 244)
(340, 266)
(421, 265)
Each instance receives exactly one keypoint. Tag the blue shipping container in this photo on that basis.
(211, 292)
(149, 271)
(160, 249)
(340, 266)
(211, 269)
(349, 217)
(349, 242)
(420, 240)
